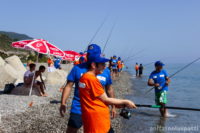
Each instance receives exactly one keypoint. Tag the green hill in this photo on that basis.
(16, 36)
(5, 43)
(7, 50)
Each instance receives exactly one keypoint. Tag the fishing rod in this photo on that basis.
(148, 64)
(167, 107)
(97, 31)
(134, 58)
(126, 113)
(151, 63)
(178, 71)
(109, 36)
(134, 55)
(129, 53)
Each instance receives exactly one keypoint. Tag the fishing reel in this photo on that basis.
(125, 113)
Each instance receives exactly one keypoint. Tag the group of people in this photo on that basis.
(92, 95)
(94, 100)
(54, 63)
(138, 70)
(116, 65)
(31, 76)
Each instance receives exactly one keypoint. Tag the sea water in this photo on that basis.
(184, 91)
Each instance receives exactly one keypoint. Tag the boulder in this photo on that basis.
(16, 63)
(57, 77)
(8, 75)
(2, 62)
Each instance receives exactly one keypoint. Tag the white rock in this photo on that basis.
(16, 63)
(8, 75)
(58, 77)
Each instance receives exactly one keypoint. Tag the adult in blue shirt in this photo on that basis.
(160, 80)
(75, 120)
(106, 81)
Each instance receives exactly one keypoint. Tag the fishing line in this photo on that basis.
(134, 55)
(109, 36)
(167, 107)
(98, 29)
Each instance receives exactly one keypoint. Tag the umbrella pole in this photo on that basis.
(33, 78)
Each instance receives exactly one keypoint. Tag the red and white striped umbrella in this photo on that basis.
(71, 55)
(40, 46)
(21, 44)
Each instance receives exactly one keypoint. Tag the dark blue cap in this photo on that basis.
(115, 56)
(119, 58)
(82, 58)
(97, 59)
(94, 49)
(159, 63)
(81, 53)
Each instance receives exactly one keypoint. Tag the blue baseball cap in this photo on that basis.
(82, 58)
(119, 58)
(94, 49)
(159, 63)
(97, 59)
(81, 53)
(114, 56)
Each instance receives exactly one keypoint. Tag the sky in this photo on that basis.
(147, 30)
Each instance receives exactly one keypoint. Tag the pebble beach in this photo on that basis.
(43, 116)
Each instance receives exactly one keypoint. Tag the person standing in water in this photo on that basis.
(160, 80)
(136, 69)
(141, 70)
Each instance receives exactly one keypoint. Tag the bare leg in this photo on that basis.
(71, 130)
(163, 110)
(42, 89)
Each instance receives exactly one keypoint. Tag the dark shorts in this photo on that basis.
(115, 70)
(119, 69)
(38, 82)
(75, 121)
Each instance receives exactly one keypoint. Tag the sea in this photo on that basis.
(184, 91)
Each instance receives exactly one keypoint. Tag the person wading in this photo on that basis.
(160, 80)
(136, 69)
(141, 70)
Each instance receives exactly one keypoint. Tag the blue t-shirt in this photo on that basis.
(74, 76)
(57, 62)
(105, 77)
(114, 63)
(160, 78)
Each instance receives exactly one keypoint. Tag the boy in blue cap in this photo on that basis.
(160, 80)
(75, 121)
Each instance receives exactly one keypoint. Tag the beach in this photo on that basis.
(44, 116)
